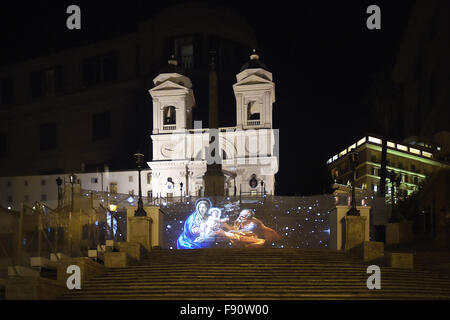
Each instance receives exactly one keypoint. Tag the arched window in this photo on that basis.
(170, 115)
(253, 110)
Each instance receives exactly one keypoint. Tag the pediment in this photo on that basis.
(168, 85)
(253, 79)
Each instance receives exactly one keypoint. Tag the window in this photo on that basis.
(253, 110)
(26, 198)
(413, 168)
(100, 126)
(25, 183)
(6, 91)
(47, 134)
(94, 180)
(46, 82)
(184, 50)
(374, 187)
(416, 180)
(130, 178)
(9, 199)
(170, 115)
(100, 69)
(42, 182)
(149, 178)
(44, 197)
(3, 145)
(373, 158)
(374, 171)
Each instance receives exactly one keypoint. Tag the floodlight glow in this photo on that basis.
(113, 207)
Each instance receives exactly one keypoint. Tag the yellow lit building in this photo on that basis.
(412, 162)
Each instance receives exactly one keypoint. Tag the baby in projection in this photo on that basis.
(211, 226)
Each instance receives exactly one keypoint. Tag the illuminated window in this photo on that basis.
(343, 153)
(427, 154)
(391, 144)
(415, 151)
(374, 188)
(353, 146)
(402, 147)
(375, 140)
(335, 157)
(361, 141)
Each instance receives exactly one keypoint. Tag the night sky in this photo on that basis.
(321, 55)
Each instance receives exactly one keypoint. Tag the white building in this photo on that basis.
(248, 152)
(28, 189)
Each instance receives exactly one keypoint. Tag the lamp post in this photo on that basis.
(72, 179)
(181, 191)
(353, 158)
(139, 161)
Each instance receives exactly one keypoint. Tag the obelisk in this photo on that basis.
(214, 178)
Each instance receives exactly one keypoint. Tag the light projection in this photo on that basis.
(207, 226)
(224, 222)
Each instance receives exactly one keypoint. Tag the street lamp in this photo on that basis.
(181, 190)
(72, 179)
(353, 158)
(139, 161)
(59, 183)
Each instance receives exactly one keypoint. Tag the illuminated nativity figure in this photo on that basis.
(191, 229)
(249, 232)
(210, 228)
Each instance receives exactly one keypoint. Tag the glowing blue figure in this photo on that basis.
(191, 229)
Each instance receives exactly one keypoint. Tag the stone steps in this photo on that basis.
(258, 274)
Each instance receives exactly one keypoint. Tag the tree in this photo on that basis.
(383, 100)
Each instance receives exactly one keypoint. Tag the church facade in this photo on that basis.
(182, 149)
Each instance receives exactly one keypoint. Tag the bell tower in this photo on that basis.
(255, 95)
(173, 99)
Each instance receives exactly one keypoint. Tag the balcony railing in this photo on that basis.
(253, 122)
(169, 127)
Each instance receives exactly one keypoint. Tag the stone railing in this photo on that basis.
(253, 122)
(169, 127)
